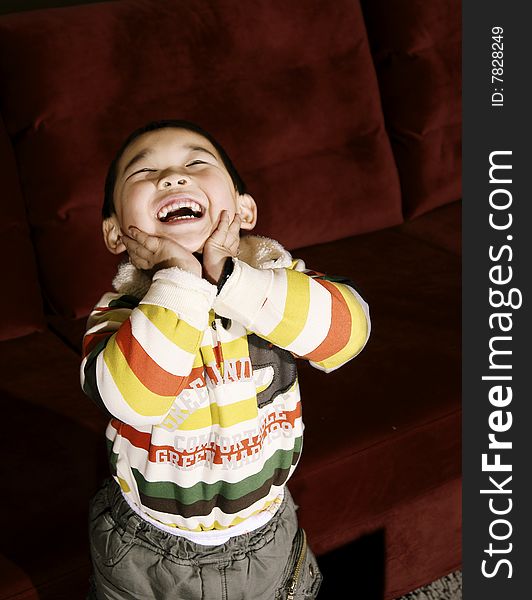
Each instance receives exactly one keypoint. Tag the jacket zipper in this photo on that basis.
(301, 550)
(218, 354)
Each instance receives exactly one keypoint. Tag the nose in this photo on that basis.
(171, 178)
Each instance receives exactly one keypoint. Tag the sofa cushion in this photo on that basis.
(21, 300)
(383, 432)
(382, 561)
(288, 89)
(417, 52)
(440, 227)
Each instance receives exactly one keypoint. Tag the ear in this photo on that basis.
(248, 211)
(112, 235)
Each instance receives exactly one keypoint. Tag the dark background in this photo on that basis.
(9, 6)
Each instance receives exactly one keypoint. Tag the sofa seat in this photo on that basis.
(442, 227)
(382, 440)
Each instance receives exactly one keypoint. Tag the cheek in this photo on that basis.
(133, 216)
(224, 201)
(221, 189)
(134, 208)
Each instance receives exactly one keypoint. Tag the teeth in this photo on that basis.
(176, 205)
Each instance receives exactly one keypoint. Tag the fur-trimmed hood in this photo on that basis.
(255, 250)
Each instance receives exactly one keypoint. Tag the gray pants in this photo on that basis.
(134, 560)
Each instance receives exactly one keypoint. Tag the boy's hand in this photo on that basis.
(152, 252)
(223, 242)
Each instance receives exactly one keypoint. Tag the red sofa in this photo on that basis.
(343, 119)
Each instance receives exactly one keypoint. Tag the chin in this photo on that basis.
(191, 241)
(192, 246)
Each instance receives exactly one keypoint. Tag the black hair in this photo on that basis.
(108, 208)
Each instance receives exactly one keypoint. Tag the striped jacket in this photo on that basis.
(202, 386)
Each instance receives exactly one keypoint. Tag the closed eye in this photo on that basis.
(196, 162)
(144, 170)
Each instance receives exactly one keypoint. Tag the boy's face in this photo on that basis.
(173, 183)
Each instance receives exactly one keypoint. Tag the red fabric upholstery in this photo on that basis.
(416, 49)
(383, 432)
(21, 302)
(289, 90)
(440, 227)
(15, 583)
(54, 460)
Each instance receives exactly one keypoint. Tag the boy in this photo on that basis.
(193, 357)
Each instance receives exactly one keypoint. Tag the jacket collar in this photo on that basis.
(255, 250)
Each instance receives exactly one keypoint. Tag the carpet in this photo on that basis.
(446, 588)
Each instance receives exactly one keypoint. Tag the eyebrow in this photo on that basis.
(140, 156)
(201, 149)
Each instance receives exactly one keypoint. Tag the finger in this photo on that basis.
(223, 222)
(228, 231)
(141, 263)
(134, 247)
(233, 247)
(151, 242)
(235, 226)
(219, 233)
(233, 232)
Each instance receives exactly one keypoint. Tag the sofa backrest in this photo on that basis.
(21, 301)
(416, 46)
(289, 89)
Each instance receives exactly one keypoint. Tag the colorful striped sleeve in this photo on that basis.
(319, 318)
(139, 355)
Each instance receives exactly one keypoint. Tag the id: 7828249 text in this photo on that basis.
(497, 66)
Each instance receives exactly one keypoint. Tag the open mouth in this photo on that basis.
(179, 210)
